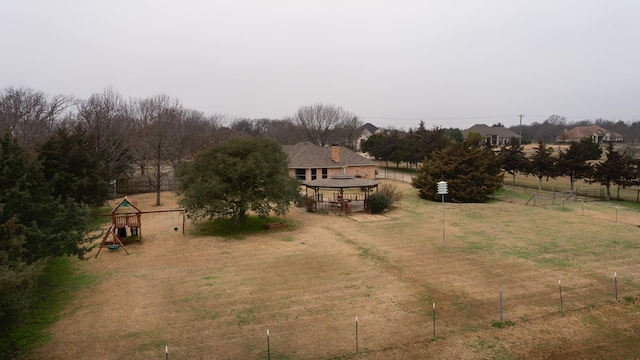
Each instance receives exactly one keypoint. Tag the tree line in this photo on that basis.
(475, 169)
(555, 125)
(582, 160)
(157, 132)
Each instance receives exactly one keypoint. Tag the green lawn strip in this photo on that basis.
(99, 217)
(56, 288)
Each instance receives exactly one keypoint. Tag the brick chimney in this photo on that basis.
(335, 153)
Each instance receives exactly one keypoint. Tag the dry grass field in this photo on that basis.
(209, 297)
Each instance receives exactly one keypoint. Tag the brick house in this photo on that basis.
(308, 161)
(493, 135)
(595, 132)
(364, 132)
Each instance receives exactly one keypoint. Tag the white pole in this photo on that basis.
(356, 334)
(443, 238)
(434, 321)
(500, 305)
(615, 280)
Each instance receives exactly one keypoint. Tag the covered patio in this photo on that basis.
(335, 198)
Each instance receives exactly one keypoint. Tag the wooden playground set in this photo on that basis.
(126, 223)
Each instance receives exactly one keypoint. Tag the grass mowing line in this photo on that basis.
(55, 291)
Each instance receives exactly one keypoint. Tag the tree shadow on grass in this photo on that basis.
(229, 229)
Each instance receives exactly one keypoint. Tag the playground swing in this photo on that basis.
(126, 215)
(175, 228)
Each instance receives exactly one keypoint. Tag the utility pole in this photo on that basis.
(521, 116)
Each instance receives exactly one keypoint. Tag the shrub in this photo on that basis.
(378, 203)
(392, 192)
(308, 203)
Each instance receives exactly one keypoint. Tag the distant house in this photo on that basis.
(595, 132)
(308, 161)
(493, 135)
(364, 132)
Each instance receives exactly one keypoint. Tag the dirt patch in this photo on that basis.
(368, 217)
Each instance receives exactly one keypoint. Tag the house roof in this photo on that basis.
(308, 155)
(485, 130)
(369, 127)
(580, 132)
(341, 181)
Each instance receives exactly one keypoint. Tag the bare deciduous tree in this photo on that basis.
(285, 132)
(324, 123)
(215, 123)
(31, 116)
(157, 119)
(107, 118)
(192, 134)
(347, 132)
(171, 133)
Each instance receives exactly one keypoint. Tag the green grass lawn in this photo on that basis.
(57, 287)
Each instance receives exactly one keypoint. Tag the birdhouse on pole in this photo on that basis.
(443, 188)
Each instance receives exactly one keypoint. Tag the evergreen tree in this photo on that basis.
(236, 177)
(373, 146)
(613, 170)
(34, 226)
(72, 166)
(573, 163)
(454, 135)
(394, 148)
(472, 171)
(513, 159)
(630, 172)
(542, 164)
(431, 141)
(408, 150)
(18, 278)
(383, 146)
(52, 226)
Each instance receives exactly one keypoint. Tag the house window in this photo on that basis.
(325, 173)
(301, 174)
(313, 174)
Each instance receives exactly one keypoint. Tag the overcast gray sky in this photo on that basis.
(450, 63)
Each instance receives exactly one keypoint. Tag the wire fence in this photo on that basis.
(558, 298)
(588, 202)
(394, 175)
(144, 185)
(587, 193)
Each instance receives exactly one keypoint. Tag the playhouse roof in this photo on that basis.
(121, 208)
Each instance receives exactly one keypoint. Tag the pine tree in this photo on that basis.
(542, 164)
(611, 171)
(34, 226)
(473, 172)
(52, 226)
(574, 162)
(72, 165)
(513, 159)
